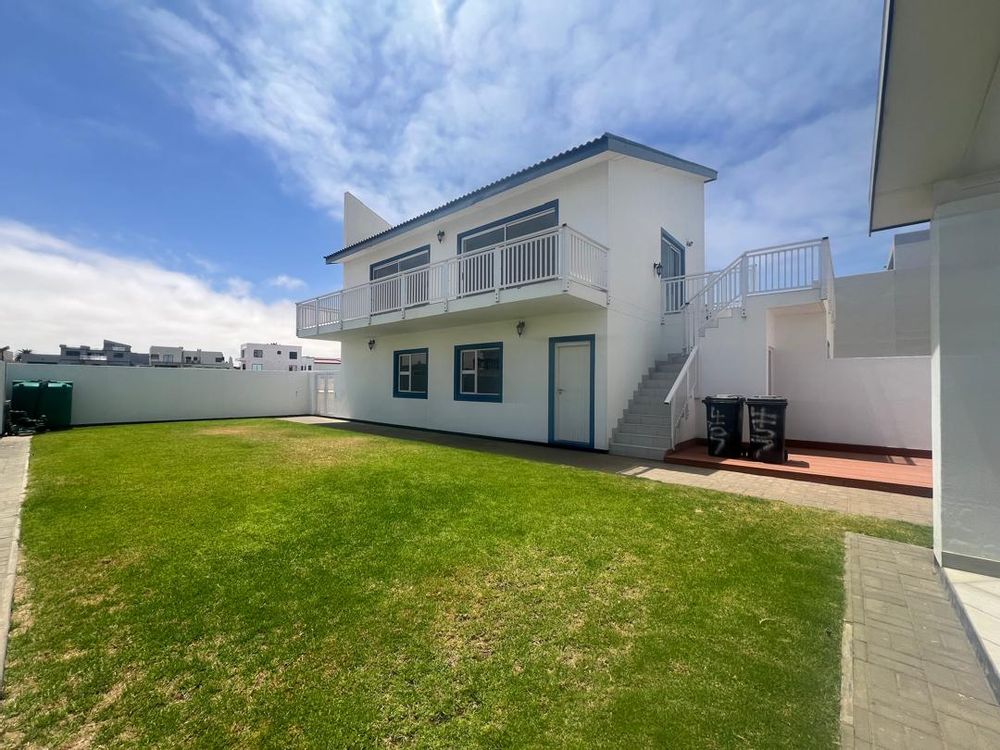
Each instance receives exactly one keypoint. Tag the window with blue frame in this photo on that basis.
(479, 372)
(409, 373)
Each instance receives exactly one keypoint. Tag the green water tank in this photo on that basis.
(25, 396)
(51, 399)
(56, 403)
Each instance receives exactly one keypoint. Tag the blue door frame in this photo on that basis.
(553, 340)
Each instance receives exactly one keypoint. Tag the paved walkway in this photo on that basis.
(910, 676)
(828, 497)
(13, 478)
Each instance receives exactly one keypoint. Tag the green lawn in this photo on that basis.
(262, 583)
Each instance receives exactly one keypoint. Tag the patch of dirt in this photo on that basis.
(23, 616)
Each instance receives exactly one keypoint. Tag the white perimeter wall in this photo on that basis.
(883, 401)
(884, 314)
(103, 395)
(364, 387)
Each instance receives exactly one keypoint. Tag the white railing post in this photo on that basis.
(564, 256)
(497, 267)
(317, 315)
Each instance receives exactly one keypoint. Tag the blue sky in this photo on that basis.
(180, 167)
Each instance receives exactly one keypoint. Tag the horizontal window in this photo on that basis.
(511, 228)
(479, 372)
(405, 262)
(409, 373)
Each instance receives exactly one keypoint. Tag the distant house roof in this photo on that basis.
(326, 360)
(607, 142)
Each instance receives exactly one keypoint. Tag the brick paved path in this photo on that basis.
(910, 677)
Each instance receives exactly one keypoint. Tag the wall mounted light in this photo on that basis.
(658, 269)
(371, 344)
(440, 235)
(689, 243)
(520, 327)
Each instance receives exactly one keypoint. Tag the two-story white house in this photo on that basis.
(527, 309)
(569, 304)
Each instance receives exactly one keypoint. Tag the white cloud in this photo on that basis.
(409, 104)
(283, 281)
(58, 292)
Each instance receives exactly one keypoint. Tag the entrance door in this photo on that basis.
(571, 390)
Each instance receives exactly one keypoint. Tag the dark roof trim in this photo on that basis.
(879, 112)
(607, 142)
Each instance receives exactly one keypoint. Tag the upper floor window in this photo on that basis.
(293, 355)
(258, 353)
(510, 228)
(405, 262)
(479, 372)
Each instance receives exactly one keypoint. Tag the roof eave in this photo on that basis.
(605, 143)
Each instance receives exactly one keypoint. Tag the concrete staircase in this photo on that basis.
(644, 429)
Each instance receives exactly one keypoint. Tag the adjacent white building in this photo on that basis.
(273, 358)
(178, 356)
(569, 304)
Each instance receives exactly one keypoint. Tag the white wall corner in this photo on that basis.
(360, 222)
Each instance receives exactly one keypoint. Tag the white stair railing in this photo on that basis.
(558, 253)
(683, 394)
(702, 298)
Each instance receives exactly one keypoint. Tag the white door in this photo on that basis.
(572, 392)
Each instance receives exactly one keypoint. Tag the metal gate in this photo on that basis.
(325, 394)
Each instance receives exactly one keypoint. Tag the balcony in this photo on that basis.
(559, 262)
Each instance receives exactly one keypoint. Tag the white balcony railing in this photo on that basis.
(782, 268)
(561, 253)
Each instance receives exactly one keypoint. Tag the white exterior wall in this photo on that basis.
(104, 395)
(364, 388)
(582, 194)
(965, 236)
(643, 198)
(881, 401)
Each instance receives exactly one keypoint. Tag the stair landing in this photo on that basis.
(907, 475)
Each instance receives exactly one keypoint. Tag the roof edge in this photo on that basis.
(606, 142)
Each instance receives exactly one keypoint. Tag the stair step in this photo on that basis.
(647, 441)
(638, 428)
(653, 408)
(659, 418)
(636, 451)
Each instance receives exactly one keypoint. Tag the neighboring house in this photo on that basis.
(273, 358)
(568, 303)
(937, 159)
(111, 353)
(178, 356)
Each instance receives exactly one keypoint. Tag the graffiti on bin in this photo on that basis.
(762, 424)
(717, 431)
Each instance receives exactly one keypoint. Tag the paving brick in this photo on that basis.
(915, 681)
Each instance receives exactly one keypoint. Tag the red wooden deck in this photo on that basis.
(875, 471)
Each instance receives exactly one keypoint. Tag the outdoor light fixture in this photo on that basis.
(440, 235)
(520, 327)
(371, 344)
(658, 269)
